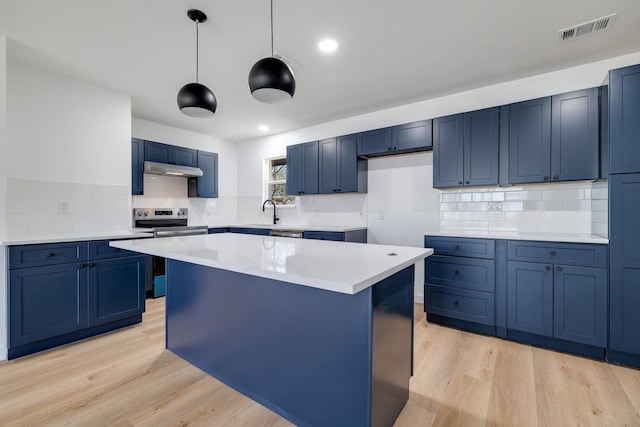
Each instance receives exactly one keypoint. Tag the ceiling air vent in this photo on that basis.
(290, 62)
(587, 27)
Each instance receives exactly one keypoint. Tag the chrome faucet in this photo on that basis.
(275, 218)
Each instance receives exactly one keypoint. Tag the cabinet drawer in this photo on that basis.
(580, 254)
(46, 254)
(472, 306)
(458, 246)
(248, 230)
(465, 273)
(324, 235)
(100, 249)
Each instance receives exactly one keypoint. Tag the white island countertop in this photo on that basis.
(335, 266)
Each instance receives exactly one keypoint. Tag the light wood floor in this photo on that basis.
(127, 378)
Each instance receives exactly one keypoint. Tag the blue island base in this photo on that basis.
(315, 357)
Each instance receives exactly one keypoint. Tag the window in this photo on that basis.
(276, 181)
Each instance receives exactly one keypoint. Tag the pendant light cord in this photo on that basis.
(272, 28)
(197, 50)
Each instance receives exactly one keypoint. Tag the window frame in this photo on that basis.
(268, 182)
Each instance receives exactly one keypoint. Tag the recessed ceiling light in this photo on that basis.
(328, 45)
(263, 128)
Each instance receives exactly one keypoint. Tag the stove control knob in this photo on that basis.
(138, 213)
(146, 213)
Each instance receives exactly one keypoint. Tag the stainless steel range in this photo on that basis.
(164, 222)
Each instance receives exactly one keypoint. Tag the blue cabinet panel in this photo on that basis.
(412, 136)
(218, 230)
(137, 166)
(164, 153)
(624, 235)
(328, 165)
(580, 304)
(248, 230)
(460, 246)
(156, 152)
(302, 168)
(481, 144)
(183, 156)
(207, 184)
(472, 306)
(448, 146)
(530, 297)
(324, 235)
(530, 141)
(100, 249)
(340, 170)
(46, 301)
(575, 135)
(457, 272)
(374, 142)
(624, 104)
(116, 289)
(583, 254)
(22, 256)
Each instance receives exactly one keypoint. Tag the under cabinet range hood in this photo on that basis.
(171, 170)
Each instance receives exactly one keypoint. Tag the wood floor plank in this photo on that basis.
(127, 379)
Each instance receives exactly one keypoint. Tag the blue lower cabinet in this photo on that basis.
(357, 236)
(461, 304)
(530, 298)
(249, 230)
(560, 306)
(116, 289)
(49, 305)
(218, 230)
(46, 301)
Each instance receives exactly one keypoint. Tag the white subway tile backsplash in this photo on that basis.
(579, 207)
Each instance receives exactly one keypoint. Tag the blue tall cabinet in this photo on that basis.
(624, 205)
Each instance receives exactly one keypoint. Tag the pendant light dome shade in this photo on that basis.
(197, 100)
(271, 81)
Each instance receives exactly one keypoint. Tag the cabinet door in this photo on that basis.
(624, 244)
(347, 164)
(328, 166)
(302, 168)
(207, 184)
(45, 302)
(183, 156)
(374, 142)
(530, 141)
(412, 136)
(156, 152)
(116, 289)
(580, 304)
(481, 144)
(530, 297)
(575, 135)
(448, 149)
(624, 104)
(137, 166)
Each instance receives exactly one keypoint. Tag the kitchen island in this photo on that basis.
(319, 332)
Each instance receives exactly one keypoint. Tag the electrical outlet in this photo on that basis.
(381, 214)
(495, 207)
(63, 208)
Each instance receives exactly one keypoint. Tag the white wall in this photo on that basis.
(160, 191)
(3, 190)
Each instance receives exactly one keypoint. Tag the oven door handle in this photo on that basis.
(159, 232)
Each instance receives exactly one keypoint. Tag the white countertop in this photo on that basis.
(508, 235)
(335, 266)
(79, 237)
(293, 227)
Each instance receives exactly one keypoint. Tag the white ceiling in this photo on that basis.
(390, 52)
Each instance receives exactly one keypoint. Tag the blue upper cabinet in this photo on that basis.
(207, 184)
(137, 166)
(374, 142)
(575, 135)
(555, 138)
(466, 148)
(414, 136)
(340, 170)
(406, 138)
(481, 143)
(624, 114)
(302, 168)
(164, 153)
(530, 141)
(448, 146)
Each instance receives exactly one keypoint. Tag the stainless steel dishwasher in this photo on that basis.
(295, 234)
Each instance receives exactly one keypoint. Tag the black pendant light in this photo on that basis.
(270, 79)
(195, 99)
